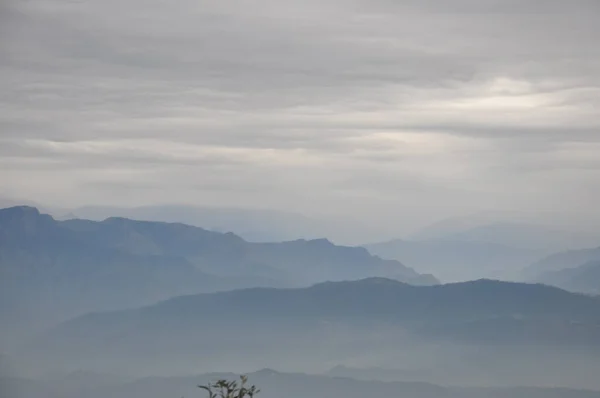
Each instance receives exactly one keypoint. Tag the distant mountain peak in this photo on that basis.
(266, 372)
(20, 211)
(372, 281)
(320, 241)
(19, 217)
(314, 242)
(376, 280)
(116, 220)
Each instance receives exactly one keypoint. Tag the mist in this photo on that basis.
(337, 198)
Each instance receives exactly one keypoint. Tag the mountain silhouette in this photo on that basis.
(53, 270)
(374, 313)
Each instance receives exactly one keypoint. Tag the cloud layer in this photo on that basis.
(383, 110)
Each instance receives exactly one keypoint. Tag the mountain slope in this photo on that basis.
(561, 260)
(519, 234)
(370, 317)
(454, 260)
(53, 270)
(290, 385)
(299, 262)
(585, 278)
(252, 224)
(49, 273)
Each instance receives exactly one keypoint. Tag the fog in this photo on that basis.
(338, 198)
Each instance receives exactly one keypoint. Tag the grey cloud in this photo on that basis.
(322, 97)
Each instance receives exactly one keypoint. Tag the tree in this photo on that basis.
(230, 389)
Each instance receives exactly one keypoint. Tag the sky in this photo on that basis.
(376, 109)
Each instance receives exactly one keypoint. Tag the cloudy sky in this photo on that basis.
(385, 110)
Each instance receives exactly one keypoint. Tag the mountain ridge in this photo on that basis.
(276, 384)
(455, 260)
(53, 270)
(562, 260)
(584, 278)
(374, 317)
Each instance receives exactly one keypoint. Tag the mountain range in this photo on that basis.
(459, 260)
(52, 270)
(562, 260)
(336, 321)
(575, 270)
(546, 232)
(272, 384)
(584, 278)
(256, 225)
(116, 294)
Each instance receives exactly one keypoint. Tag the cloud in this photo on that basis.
(368, 106)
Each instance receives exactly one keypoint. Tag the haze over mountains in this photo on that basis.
(585, 278)
(273, 385)
(256, 225)
(119, 263)
(342, 199)
(563, 260)
(497, 329)
(484, 246)
(575, 270)
(452, 259)
(53, 270)
(111, 295)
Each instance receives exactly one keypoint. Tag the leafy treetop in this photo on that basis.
(230, 389)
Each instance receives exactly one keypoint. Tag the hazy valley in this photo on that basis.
(83, 300)
(336, 198)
